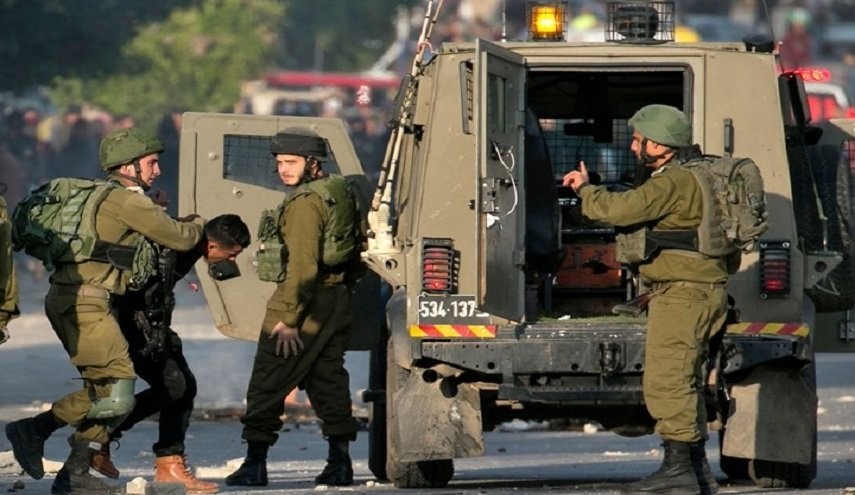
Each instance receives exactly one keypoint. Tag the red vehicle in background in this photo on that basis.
(307, 93)
(826, 99)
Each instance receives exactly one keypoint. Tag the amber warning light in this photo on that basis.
(546, 21)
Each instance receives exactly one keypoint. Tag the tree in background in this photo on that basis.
(195, 59)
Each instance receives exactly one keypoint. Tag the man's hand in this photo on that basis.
(4, 334)
(288, 341)
(576, 178)
(188, 218)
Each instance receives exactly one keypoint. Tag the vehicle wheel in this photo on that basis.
(833, 179)
(421, 474)
(377, 412)
(734, 468)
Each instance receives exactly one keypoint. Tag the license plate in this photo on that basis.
(450, 310)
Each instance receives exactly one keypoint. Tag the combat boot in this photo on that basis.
(253, 471)
(702, 470)
(174, 469)
(339, 469)
(28, 437)
(674, 477)
(102, 462)
(75, 479)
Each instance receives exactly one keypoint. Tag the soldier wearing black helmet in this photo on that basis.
(80, 308)
(688, 303)
(305, 329)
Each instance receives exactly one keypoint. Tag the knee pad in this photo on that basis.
(118, 404)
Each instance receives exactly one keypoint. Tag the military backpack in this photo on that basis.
(734, 211)
(55, 223)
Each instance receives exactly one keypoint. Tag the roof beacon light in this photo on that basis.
(547, 21)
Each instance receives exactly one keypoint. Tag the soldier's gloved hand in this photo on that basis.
(288, 341)
(4, 334)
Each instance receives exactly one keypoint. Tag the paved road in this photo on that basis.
(521, 459)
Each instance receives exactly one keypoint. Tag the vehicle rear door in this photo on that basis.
(500, 125)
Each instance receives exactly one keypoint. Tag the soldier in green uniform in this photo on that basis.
(8, 284)
(688, 303)
(305, 329)
(79, 307)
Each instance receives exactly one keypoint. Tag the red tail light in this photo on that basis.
(774, 269)
(438, 266)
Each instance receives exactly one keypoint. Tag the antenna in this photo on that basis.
(504, 21)
(769, 20)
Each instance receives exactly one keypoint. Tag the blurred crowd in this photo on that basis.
(36, 147)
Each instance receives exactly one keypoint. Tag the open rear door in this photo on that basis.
(500, 125)
(226, 167)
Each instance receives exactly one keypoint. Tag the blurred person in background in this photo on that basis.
(796, 47)
(12, 173)
(79, 156)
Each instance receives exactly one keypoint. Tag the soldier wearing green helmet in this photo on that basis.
(688, 302)
(80, 307)
(306, 326)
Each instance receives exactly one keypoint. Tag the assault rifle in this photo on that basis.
(155, 318)
(633, 307)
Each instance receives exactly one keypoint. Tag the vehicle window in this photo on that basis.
(247, 159)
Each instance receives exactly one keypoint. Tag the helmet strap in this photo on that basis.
(135, 180)
(647, 159)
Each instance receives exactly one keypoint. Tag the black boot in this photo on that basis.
(674, 477)
(339, 470)
(28, 437)
(253, 471)
(702, 470)
(75, 479)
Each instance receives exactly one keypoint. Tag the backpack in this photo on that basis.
(734, 211)
(55, 224)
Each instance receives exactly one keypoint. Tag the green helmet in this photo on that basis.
(663, 124)
(299, 141)
(125, 145)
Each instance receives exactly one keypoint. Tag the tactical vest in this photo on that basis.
(341, 236)
(734, 214)
(56, 225)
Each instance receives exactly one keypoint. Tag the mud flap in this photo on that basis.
(438, 420)
(772, 417)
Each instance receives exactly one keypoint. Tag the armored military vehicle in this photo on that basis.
(501, 294)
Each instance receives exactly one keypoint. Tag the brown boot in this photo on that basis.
(173, 469)
(102, 463)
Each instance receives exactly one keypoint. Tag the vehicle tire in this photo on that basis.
(377, 412)
(421, 474)
(833, 180)
(734, 468)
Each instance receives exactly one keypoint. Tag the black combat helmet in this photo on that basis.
(299, 141)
